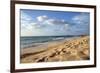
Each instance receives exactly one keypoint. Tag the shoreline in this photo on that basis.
(44, 45)
(35, 44)
(48, 51)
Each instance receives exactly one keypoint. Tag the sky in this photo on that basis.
(53, 23)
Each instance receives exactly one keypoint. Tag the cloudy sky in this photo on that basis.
(53, 23)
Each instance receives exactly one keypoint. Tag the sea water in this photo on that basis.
(28, 41)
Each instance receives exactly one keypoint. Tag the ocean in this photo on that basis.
(39, 40)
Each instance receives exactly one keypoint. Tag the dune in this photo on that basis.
(67, 50)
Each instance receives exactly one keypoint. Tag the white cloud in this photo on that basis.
(25, 17)
(25, 20)
(82, 22)
(56, 22)
(83, 18)
(42, 26)
(42, 18)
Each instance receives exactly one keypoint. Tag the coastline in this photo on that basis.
(43, 46)
(62, 50)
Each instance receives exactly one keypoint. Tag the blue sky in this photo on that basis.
(53, 23)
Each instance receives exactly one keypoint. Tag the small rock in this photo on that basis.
(86, 52)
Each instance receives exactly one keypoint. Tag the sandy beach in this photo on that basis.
(64, 50)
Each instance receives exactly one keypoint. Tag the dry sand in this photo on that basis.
(65, 50)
